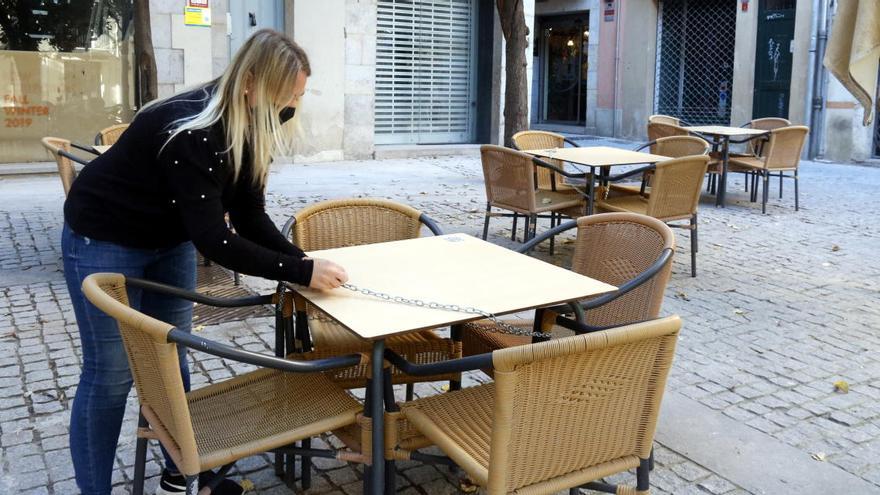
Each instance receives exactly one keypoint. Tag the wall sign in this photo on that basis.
(608, 11)
(197, 16)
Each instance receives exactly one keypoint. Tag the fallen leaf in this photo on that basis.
(467, 486)
(444, 388)
(246, 485)
(682, 295)
(546, 201)
(841, 386)
(198, 328)
(835, 248)
(819, 456)
(739, 311)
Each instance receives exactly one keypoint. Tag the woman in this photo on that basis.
(159, 194)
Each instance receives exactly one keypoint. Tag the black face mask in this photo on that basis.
(286, 114)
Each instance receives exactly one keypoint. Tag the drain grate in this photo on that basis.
(216, 281)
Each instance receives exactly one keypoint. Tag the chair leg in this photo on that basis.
(533, 225)
(140, 459)
(192, 485)
(780, 185)
(765, 192)
(643, 474)
(513, 228)
(236, 278)
(694, 245)
(306, 466)
(754, 187)
(410, 391)
(796, 205)
(486, 221)
(553, 224)
(651, 460)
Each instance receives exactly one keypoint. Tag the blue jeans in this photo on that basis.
(99, 404)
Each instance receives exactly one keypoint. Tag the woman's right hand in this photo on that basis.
(327, 274)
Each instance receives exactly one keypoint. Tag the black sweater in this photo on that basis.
(136, 197)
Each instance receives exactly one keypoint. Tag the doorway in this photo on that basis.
(562, 65)
(773, 58)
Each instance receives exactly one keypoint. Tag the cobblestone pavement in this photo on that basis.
(785, 305)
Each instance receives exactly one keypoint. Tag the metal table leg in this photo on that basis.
(591, 186)
(376, 480)
(721, 197)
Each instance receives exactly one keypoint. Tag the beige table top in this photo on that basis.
(101, 149)
(598, 156)
(449, 269)
(720, 130)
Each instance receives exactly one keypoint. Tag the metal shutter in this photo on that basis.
(424, 71)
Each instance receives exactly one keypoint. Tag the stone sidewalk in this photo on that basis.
(784, 306)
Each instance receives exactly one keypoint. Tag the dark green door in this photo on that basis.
(773, 58)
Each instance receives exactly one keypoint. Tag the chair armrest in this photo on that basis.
(468, 363)
(431, 224)
(87, 149)
(525, 248)
(220, 302)
(572, 143)
(72, 157)
(646, 145)
(542, 163)
(629, 173)
(187, 339)
(288, 227)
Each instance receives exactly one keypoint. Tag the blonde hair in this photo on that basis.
(264, 70)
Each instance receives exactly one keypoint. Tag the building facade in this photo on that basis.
(405, 75)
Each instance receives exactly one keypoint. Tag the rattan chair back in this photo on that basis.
(783, 150)
(572, 408)
(754, 146)
(109, 135)
(537, 140)
(658, 130)
(679, 146)
(353, 222)
(509, 176)
(66, 168)
(664, 119)
(614, 248)
(155, 368)
(676, 187)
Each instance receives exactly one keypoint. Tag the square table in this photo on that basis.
(101, 149)
(597, 156)
(447, 269)
(722, 135)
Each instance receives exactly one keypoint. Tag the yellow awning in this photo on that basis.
(853, 52)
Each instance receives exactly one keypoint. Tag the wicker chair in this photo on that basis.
(352, 222)
(110, 135)
(630, 251)
(657, 130)
(675, 193)
(672, 147)
(509, 176)
(61, 151)
(265, 410)
(781, 153)
(664, 119)
(548, 180)
(560, 414)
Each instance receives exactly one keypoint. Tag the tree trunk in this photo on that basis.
(145, 72)
(516, 37)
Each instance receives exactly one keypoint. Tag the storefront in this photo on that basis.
(65, 70)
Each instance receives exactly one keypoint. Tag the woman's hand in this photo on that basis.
(327, 274)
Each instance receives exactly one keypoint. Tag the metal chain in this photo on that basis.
(499, 327)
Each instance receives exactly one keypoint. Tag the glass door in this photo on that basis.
(563, 59)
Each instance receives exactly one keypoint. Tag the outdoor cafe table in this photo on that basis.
(722, 135)
(447, 269)
(596, 157)
(101, 149)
